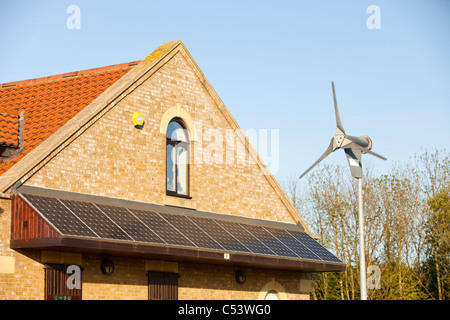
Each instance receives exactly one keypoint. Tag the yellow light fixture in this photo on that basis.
(138, 120)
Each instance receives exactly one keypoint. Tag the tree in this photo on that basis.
(407, 226)
(438, 239)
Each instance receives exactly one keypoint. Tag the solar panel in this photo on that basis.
(300, 250)
(245, 237)
(60, 216)
(163, 229)
(192, 231)
(219, 234)
(88, 219)
(96, 220)
(130, 224)
(314, 246)
(269, 241)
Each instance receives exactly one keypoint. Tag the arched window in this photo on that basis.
(177, 158)
(272, 290)
(272, 295)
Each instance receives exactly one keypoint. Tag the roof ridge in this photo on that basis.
(69, 74)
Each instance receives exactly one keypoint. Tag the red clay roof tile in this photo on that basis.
(48, 103)
(9, 129)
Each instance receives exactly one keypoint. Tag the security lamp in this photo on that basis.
(107, 267)
(240, 276)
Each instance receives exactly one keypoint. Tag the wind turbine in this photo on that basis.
(353, 147)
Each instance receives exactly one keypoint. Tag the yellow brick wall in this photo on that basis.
(128, 282)
(197, 281)
(114, 159)
(213, 282)
(26, 281)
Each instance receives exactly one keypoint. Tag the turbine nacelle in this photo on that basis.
(342, 141)
(353, 146)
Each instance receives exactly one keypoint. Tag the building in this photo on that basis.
(134, 181)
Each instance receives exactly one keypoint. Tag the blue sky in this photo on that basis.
(271, 62)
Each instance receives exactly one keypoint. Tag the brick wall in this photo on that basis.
(197, 281)
(203, 281)
(113, 158)
(128, 282)
(21, 274)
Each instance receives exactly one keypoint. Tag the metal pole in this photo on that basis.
(362, 255)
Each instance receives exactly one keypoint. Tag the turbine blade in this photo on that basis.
(336, 110)
(364, 150)
(326, 153)
(376, 155)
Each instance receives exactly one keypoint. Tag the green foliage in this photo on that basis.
(398, 282)
(437, 229)
(438, 224)
(327, 286)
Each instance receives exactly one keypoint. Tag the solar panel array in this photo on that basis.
(86, 219)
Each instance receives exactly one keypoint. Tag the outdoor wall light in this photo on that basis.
(240, 276)
(138, 120)
(107, 267)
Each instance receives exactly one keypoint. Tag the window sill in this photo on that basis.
(180, 201)
(174, 194)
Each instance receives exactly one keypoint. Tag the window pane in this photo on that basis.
(182, 170)
(272, 295)
(170, 165)
(176, 132)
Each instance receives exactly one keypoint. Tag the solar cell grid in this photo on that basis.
(130, 224)
(59, 216)
(226, 240)
(300, 250)
(96, 220)
(191, 231)
(245, 237)
(314, 246)
(270, 241)
(163, 229)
